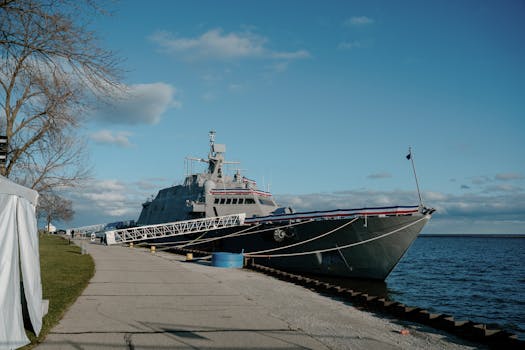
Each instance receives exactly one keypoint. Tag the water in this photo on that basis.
(470, 278)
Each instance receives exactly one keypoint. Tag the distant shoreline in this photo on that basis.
(473, 235)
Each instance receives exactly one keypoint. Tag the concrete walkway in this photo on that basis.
(139, 300)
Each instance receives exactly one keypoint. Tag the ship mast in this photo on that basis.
(215, 156)
(212, 141)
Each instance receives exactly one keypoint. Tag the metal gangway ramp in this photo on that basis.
(86, 230)
(171, 229)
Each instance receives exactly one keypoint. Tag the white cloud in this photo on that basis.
(357, 21)
(103, 201)
(434, 196)
(347, 199)
(108, 197)
(215, 44)
(141, 104)
(480, 180)
(149, 185)
(278, 66)
(110, 185)
(120, 138)
(509, 176)
(503, 182)
(290, 55)
(502, 188)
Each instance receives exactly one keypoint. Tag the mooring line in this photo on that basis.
(306, 241)
(235, 234)
(251, 255)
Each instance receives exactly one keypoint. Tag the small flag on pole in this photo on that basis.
(409, 157)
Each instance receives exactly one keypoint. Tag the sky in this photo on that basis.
(319, 101)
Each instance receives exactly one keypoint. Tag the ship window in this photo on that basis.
(222, 200)
(228, 200)
(241, 200)
(249, 201)
(265, 201)
(234, 201)
(216, 201)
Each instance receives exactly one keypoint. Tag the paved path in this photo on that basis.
(139, 300)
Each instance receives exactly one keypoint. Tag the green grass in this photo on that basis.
(65, 274)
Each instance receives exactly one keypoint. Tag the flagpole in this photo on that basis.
(409, 156)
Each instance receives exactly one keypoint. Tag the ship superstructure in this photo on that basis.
(207, 194)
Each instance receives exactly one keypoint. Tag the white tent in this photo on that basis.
(18, 253)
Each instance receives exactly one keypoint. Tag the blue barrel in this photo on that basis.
(221, 259)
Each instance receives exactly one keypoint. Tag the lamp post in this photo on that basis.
(3, 154)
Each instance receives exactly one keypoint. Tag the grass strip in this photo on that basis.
(65, 274)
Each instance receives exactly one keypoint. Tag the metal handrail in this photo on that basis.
(177, 228)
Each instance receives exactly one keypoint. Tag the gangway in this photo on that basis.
(171, 229)
(86, 230)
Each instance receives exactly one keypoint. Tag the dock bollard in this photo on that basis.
(152, 249)
(189, 256)
(131, 244)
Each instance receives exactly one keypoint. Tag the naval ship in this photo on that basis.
(355, 243)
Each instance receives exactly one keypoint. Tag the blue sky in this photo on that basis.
(320, 101)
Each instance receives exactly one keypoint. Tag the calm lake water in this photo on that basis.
(471, 278)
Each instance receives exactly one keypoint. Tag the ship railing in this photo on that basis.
(177, 228)
(85, 231)
(338, 214)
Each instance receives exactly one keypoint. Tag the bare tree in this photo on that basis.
(51, 69)
(54, 208)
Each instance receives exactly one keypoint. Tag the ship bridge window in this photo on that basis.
(236, 201)
(265, 201)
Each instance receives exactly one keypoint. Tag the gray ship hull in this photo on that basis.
(367, 248)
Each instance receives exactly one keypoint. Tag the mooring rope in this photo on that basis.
(241, 233)
(251, 255)
(306, 241)
(172, 244)
(234, 234)
(195, 241)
